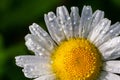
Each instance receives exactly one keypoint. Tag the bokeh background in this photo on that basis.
(17, 15)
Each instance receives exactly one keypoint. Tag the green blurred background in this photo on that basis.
(17, 15)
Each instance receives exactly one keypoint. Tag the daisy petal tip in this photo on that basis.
(62, 10)
(51, 16)
(18, 61)
(27, 37)
(87, 8)
(61, 7)
(17, 58)
(33, 26)
(74, 9)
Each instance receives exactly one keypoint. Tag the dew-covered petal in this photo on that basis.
(111, 33)
(75, 20)
(103, 32)
(85, 21)
(36, 70)
(64, 20)
(42, 36)
(108, 76)
(55, 30)
(34, 66)
(111, 48)
(98, 29)
(112, 66)
(36, 46)
(114, 30)
(46, 77)
(96, 18)
(29, 59)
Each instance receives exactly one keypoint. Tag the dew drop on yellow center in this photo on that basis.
(76, 59)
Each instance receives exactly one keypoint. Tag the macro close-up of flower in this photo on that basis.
(76, 47)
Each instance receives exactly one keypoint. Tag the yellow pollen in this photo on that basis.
(76, 59)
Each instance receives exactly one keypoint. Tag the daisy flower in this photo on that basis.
(76, 48)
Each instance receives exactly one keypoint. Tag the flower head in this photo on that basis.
(78, 48)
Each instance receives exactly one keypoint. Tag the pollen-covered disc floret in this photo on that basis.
(76, 59)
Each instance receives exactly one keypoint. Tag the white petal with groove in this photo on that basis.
(98, 28)
(96, 18)
(75, 20)
(55, 30)
(103, 32)
(29, 59)
(34, 66)
(111, 33)
(85, 21)
(36, 46)
(111, 49)
(108, 76)
(64, 21)
(36, 70)
(42, 36)
(112, 66)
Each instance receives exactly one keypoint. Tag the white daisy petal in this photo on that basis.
(36, 70)
(97, 41)
(113, 32)
(114, 25)
(85, 21)
(112, 66)
(108, 76)
(36, 46)
(46, 77)
(43, 36)
(75, 20)
(111, 48)
(34, 66)
(96, 18)
(54, 29)
(64, 21)
(98, 29)
(29, 59)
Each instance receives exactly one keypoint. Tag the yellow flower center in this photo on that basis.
(76, 59)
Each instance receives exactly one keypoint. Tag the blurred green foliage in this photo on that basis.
(17, 15)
